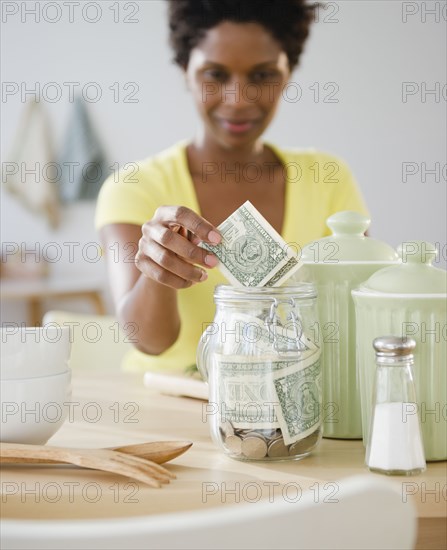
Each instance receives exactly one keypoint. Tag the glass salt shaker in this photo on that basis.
(395, 441)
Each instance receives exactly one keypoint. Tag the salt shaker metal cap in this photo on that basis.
(387, 347)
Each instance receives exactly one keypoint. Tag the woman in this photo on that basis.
(237, 58)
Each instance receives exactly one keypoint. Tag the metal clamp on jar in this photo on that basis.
(263, 370)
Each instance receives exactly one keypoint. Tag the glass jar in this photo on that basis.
(262, 364)
(395, 441)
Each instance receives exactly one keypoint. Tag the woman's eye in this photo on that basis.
(261, 76)
(215, 74)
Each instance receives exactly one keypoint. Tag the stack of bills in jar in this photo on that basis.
(269, 379)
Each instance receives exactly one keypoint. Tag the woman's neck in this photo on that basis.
(203, 150)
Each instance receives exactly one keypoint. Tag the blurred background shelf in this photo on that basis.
(34, 292)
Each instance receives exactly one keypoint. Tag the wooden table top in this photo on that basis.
(115, 409)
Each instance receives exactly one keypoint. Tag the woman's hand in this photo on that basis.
(168, 251)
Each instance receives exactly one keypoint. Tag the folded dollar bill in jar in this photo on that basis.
(271, 393)
(251, 252)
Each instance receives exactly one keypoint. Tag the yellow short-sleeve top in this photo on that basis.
(317, 185)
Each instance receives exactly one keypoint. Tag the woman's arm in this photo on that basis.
(148, 265)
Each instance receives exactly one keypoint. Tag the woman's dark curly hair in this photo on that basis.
(287, 20)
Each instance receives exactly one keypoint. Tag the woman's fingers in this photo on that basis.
(168, 251)
(171, 240)
(154, 271)
(184, 217)
(171, 263)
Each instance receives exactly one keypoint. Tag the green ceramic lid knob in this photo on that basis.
(348, 223)
(417, 252)
(347, 243)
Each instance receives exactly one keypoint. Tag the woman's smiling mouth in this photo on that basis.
(237, 126)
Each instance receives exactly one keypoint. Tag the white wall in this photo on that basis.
(364, 47)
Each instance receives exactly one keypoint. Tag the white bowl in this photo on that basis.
(33, 409)
(30, 352)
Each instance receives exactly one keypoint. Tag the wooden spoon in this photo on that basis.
(155, 451)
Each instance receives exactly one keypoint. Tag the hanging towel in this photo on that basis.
(31, 173)
(83, 163)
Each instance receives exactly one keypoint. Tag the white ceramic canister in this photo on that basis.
(336, 265)
(409, 300)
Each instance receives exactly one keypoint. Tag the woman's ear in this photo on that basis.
(186, 77)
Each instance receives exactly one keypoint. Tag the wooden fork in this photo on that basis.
(156, 451)
(105, 460)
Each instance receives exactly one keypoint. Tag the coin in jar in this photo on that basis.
(226, 428)
(255, 434)
(241, 433)
(254, 447)
(277, 448)
(304, 445)
(276, 435)
(234, 444)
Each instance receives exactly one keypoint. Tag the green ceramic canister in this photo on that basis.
(336, 265)
(409, 300)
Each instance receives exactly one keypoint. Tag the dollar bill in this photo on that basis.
(246, 394)
(284, 273)
(269, 394)
(252, 253)
(298, 391)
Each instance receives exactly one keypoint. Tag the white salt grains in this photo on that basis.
(395, 441)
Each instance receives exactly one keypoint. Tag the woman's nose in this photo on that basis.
(234, 91)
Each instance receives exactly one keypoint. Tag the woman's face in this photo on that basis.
(236, 75)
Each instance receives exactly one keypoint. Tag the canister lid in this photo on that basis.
(348, 242)
(415, 274)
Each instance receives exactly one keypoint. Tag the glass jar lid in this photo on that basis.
(348, 242)
(296, 291)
